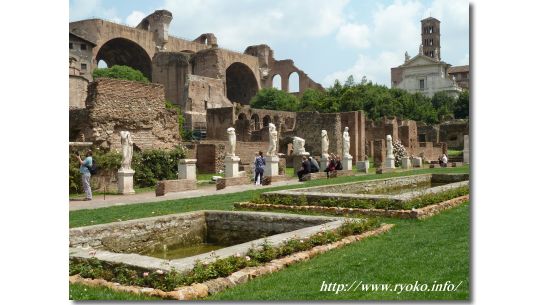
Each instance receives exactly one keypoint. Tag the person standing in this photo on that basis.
(85, 166)
(259, 167)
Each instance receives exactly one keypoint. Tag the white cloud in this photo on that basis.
(238, 24)
(134, 18)
(374, 68)
(396, 29)
(83, 9)
(354, 35)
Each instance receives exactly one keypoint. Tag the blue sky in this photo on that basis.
(327, 39)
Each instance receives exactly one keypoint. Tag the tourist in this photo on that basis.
(339, 166)
(331, 167)
(444, 160)
(314, 166)
(85, 172)
(259, 166)
(305, 168)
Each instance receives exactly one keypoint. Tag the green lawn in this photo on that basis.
(427, 251)
(454, 153)
(215, 202)
(83, 292)
(100, 193)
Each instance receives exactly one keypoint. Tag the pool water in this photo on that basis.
(183, 251)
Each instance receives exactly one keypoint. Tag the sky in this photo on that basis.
(328, 40)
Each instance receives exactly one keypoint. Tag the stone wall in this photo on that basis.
(114, 105)
(452, 133)
(231, 228)
(142, 234)
(78, 91)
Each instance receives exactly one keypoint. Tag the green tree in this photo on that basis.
(444, 104)
(120, 72)
(461, 109)
(274, 99)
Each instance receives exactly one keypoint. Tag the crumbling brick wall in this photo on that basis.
(114, 105)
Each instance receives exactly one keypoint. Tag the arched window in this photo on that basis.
(277, 82)
(293, 82)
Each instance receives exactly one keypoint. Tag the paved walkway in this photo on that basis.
(149, 197)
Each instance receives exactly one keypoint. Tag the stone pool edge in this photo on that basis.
(202, 290)
(420, 213)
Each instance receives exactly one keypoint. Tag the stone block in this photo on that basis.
(171, 186)
(187, 169)
(384, 170)
(125, 182)
(240, 180)
(363, 166)
(323, 163)
(271, 166)
(306, 177)
(406, 163)
(347, 163)
(416, 161)
(389, 163)
(231, 166)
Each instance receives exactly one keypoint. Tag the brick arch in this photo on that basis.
(125, 52)
(241, 83)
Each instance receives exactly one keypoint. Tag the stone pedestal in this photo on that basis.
(187, 169)
(323, 164)
(231, 166)
(406, 163)
(363, 166)
(125, 182)
(466, 156)
(389, 163)
(298, 160)
(271, 166)
(347, 163)
(416, 161)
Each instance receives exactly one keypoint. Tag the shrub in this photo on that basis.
(399, 152)
(120, 72)
(271, 98)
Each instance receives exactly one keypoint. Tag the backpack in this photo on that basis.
(93, 167)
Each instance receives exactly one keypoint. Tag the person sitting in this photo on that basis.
(444, 161)
(305, 168)
(339, 166)
(331, 166)
(314, 166)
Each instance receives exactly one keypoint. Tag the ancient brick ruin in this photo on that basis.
(114, 105)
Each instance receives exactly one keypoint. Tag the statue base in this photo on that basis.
(323, 163)
(231, 166)
(406, 163)
(187, 169)
(271, 166)
(389, 163)
(347, 163)
(416, 161)
(298, 161)
(125, 182)
(363, 166)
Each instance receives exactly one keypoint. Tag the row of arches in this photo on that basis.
(293, 82)
(255, 120)
(241, 83)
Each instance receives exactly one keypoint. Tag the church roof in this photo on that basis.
(458, 69)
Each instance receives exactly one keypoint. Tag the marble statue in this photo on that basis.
(421, 50)
(407, 57)
(126, 150)
(347, 140)
(231, 142)
(273, 139)
(324, 144)
(298, 146)
(390, 153)
(436, 54)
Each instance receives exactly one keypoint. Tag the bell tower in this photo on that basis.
(431, 37)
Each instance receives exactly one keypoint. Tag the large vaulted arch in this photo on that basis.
(121, 51)
(241, 84)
